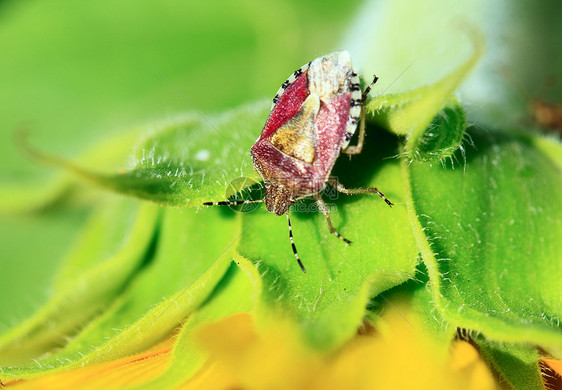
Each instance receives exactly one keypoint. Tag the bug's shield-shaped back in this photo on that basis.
(296, 138)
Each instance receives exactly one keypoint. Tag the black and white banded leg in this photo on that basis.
(241, 202)
(232, 203)
(356, 149)
(324, 210)
(351, 191)
(293, 245)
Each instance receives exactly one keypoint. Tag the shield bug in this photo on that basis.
(314, 115)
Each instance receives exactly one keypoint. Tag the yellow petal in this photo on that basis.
(129, 371)
(395, 354)
(466, 361)
(398, 356)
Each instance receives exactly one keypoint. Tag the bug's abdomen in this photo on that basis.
(281, 169)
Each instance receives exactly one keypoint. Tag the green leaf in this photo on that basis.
(192, 254)
(329, 300)
(95, 270)
(486, 230)
(232, 295)
(23, 196)
(432, 130)
(186, 161)
(193, 160)
(517, 364)
(20, 236)
(442, 137)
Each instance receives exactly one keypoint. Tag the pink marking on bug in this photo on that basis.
(287, 106)
(331, 123)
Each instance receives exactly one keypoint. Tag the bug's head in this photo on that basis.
(278, 199)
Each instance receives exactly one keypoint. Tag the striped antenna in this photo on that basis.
(368, 89)
(232, 203)
(293, 244)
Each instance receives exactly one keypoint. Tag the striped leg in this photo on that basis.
(232, 203)
(293, 244)
(324, 210)
(334, 182)
(356, 149)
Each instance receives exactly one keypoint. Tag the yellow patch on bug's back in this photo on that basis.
(296, 137)
(292, 144)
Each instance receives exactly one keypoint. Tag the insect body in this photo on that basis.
(314, 115)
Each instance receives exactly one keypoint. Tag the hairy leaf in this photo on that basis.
(329, 300)
(97, 268)
(487, 228)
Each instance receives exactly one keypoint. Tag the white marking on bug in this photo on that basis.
(327, 73)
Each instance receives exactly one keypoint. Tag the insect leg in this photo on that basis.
(324, 210)
(356, 149)
(293, 244)
(334, 182)
(232, 203)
